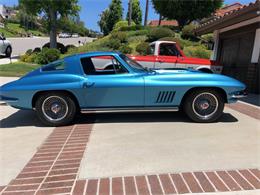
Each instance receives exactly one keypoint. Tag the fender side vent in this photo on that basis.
(165, 97)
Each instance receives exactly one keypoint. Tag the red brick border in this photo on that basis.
(55, 166)
(246, 109)
(177, 183)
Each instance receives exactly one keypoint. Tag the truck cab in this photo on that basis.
(168, 55)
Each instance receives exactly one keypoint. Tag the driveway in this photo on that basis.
(21, 45)
(132, 153)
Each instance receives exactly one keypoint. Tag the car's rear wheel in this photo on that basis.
(8, 52)
(55, 109)
(204, 105)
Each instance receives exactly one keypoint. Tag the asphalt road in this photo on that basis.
(21, 45)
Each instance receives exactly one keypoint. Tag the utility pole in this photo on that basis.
(146, 12)
(129, 12)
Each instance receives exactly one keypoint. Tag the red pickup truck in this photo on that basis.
(167, 54)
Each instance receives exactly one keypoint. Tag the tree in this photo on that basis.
(104, 17)
(186, 11)
(111, 16)
(136, 12)
(51, 10)
(146, 12)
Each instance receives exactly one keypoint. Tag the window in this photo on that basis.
(102, 65)
(168, 49)
(152, 49)
(54, 66)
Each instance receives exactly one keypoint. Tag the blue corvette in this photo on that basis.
(110, 81)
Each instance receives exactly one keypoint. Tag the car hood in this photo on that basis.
(188, 76)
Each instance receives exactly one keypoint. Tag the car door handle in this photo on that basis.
(161, 61)
(88, 84)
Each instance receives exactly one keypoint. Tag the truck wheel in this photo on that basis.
(55, 109)
(204, 105)
(8, 52)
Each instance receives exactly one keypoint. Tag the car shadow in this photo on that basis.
(29, 118)
(21, 118)
(144, 117)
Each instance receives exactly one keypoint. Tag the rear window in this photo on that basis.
(54, 67)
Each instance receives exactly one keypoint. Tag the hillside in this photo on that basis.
(15, 30)
(130, 40)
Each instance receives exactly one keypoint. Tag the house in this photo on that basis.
(7, 12)
(163, 23)
(237, 43)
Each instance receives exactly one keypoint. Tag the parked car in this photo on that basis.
(64, 35)
(5, 46)
(168, 54)
(75, 35)
(59, 90)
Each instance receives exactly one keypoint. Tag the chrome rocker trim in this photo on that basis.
(133, 109)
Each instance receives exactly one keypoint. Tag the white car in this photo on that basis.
(64, 35)
(5, 46)
(75, 35)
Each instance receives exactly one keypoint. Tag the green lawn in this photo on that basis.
(17, 69)
(15, 30)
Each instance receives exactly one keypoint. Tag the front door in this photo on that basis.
(110, 87)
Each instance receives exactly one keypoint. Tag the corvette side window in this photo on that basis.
(102, 65)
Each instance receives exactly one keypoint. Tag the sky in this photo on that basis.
(91, 9)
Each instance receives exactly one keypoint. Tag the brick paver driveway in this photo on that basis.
(57, 166)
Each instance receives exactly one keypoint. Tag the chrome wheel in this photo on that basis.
(205, 105)
(54, 108)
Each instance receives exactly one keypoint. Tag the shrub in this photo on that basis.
(113, 44)
(126, 49)
(131, 28)
(69, 47)
(197, 51)
(29, 52)
(37, 50)
(122, 23)
(60, 47)
(188, 32)
(47, 55)
(143, 48)
(30, 58)
(208, 37)
(139, 38)
(157, 33)
(24, 57)
(121, 36)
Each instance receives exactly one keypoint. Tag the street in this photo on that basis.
(21, 45)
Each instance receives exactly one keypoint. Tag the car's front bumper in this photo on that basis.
(239, 94)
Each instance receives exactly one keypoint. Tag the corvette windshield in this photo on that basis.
(132, 63)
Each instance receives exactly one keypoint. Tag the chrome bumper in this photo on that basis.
(240, 94)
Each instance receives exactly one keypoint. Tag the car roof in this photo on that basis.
(94, 53)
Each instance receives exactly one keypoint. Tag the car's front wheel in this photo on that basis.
(204, 105)
(55, 109)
